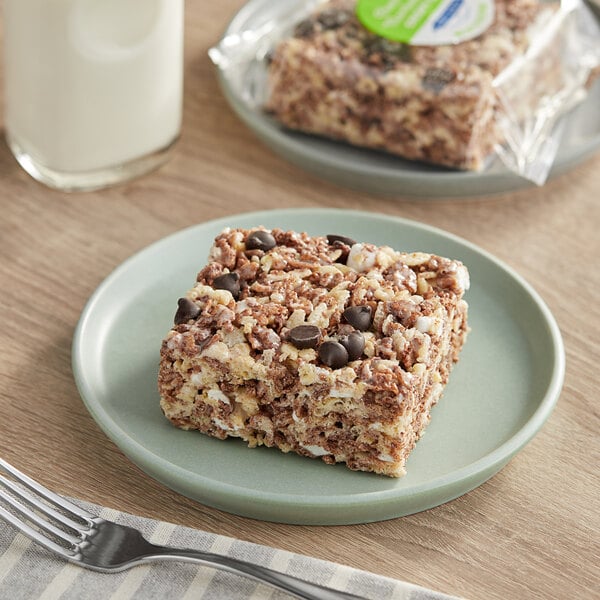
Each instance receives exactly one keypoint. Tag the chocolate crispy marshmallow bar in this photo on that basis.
(431, 103)
(316, 345)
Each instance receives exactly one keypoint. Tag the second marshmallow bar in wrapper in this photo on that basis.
(315, 67)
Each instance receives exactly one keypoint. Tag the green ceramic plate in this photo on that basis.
(500, 393)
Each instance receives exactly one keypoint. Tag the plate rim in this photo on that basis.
(501, 181)
(499, 456)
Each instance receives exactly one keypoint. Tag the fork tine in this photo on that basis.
(34, 534)
(45, 493)
(32, 516)
(29, 517)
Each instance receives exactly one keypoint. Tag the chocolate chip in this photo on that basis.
(333, 354)
(260, 240)
(304, 28)
(229, 282)
(435, 79)
(333, 239)
(186, 310)
(388, 52)
(354, 343)
(333, 18)
(343, 244)
(305, 336)
(358, 316)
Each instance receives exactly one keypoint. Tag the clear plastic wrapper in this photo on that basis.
(315, 68)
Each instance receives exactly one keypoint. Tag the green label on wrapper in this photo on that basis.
(426, 22)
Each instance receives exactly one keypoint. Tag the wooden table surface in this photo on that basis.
(532, 531)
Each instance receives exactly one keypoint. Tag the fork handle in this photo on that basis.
(297, 587)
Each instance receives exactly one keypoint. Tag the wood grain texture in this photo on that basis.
(532, 531)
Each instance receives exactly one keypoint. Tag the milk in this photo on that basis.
(93, 88)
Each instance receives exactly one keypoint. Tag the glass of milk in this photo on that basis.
(93, 88)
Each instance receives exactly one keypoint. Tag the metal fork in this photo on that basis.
(94, 543)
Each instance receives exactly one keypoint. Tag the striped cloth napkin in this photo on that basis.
(28, 571)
